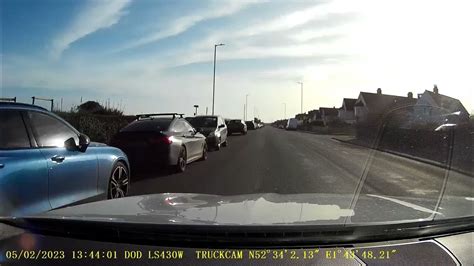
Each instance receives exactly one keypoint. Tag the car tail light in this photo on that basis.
(160, 140)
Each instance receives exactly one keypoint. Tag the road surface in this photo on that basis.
(271, 160)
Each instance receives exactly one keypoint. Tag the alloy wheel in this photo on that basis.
(119, 180)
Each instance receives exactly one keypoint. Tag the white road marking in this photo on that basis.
(406, 204)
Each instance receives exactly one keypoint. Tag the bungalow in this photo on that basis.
(372, 106)
(437, 108)
(302, 118)
(314, 116)
(346, 112)
(328, 114)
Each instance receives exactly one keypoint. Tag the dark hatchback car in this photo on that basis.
(236, 126)
(161, 139)
(213, 127)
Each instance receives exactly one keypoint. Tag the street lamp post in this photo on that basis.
(301, 83)
(214, 77)
(246, 106)
(196, 109)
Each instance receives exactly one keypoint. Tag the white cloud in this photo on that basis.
(96, 15)
(184, 23)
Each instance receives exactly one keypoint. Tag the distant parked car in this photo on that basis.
(45, 163)
(213, 127)
(250, 125)
(292, 124)
(237, 126)
(163, 139)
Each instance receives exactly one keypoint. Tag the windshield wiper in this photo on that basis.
(240, 236)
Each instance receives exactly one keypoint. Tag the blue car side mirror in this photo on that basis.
(70, 144)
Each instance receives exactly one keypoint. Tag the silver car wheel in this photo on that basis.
(118, 187)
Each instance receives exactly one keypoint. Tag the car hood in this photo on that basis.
(265, 209)
(97, 144)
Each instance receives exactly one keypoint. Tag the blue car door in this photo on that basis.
(72, 174)
(23, 170)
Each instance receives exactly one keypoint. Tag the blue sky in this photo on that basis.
(154, 56)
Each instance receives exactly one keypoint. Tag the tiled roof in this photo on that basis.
(379, 103)
(447, 102)
(349, 103)
(328, 111)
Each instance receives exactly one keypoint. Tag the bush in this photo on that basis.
(100, 128)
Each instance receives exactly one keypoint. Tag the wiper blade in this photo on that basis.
(240, 236)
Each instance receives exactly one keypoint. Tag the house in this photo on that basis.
(373, 106)
(328, 114)
(302, 118)
(431, 106)
(314, 116)
(346, 113)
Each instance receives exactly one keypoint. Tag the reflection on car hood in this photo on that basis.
(263, 209)
(97, 144)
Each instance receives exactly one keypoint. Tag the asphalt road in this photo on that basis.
(272, 160)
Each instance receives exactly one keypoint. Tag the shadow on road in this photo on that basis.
(145, 172)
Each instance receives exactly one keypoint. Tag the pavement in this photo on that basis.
(271, 160)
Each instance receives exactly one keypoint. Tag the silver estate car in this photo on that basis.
(165, 139)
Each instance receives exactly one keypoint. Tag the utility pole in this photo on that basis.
(214, 77)
(301, 83)
(206, 110)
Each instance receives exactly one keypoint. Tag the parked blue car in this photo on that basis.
(45, 163)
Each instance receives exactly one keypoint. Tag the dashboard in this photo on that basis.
(25, 248)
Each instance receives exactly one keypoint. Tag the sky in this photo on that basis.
(157, 56)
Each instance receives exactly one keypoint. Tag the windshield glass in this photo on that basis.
(203, 121)
(148, 125)
(339, 112)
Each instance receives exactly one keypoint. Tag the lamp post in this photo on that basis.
(196, 109)
(301, 83)
(214, 77)
(246, 106)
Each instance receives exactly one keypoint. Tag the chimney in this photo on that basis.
(379, 91)
(435, 89)
(410, 95)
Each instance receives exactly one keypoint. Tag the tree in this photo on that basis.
(90, 107)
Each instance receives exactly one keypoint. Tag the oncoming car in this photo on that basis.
(45, 163)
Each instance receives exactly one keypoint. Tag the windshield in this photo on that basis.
(199, 122)
(340, 112)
